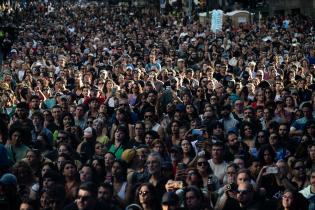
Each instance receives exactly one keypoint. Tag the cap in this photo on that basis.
(9, 179)
(170, 198)
(88, 133)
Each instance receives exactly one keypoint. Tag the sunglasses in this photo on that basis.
(201, 163)
(143, 193)
(243, 192)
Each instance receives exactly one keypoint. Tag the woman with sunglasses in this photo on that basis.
(208, 178)
(146, 197)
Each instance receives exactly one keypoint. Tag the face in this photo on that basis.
(103, 194)
(273, 139)
(244, 194)
(282, 130)
(153, 165)
(84, 200)
(116, 169)
(242, 177)
(48, 182)
(231, 174)
(69, 170)
(45, 201)
(119, 135)
(144, 195)
(191, 199)
(287, 200)
(109, 160)
(185, 146)
(25, 206)
(16, 138)
(85, 174)
(217, 152)
(31, 157)
(299, 170)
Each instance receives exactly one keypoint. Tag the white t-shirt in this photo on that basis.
(219, 170)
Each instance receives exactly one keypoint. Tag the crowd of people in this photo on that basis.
(123, 108)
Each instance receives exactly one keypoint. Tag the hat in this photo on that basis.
(9, 179)
(170, 198)
(128, 155)
(88, 133)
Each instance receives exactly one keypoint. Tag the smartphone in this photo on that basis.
(197, 132)
(272, 170)
(168, 87)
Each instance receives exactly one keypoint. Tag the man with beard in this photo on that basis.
(86, 199)
(105, 195)
(235, 148)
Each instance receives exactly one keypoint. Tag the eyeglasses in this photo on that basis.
(123, 104)
(83, 198)
(148, 116)
(202, 163)
(143, 193)
(89, 122)
(243, 192)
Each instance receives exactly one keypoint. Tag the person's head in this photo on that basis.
(139, 129)
(35, 102)
(217, 151)
(245, 194)
(145, 195)
(203, 165)
(255, 168)
(119, 170)
(69, 169)
(298, 169)
(23, 172)
(22, 110)
(37, 119)
(87, 196)
(105, 192)
(289, 200)
(232, 140)
(56, 112)
(231, 171)
(283, 130)
(87, 173)
(170, 201)
(33, 157)
(307, 110)
(193, 198)
(154, 163)
(243, 175)
(16, 135)
(266, 155)
(27, 205)
(109, 159)
(121, 134)
(273, 139)
(51, 179)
